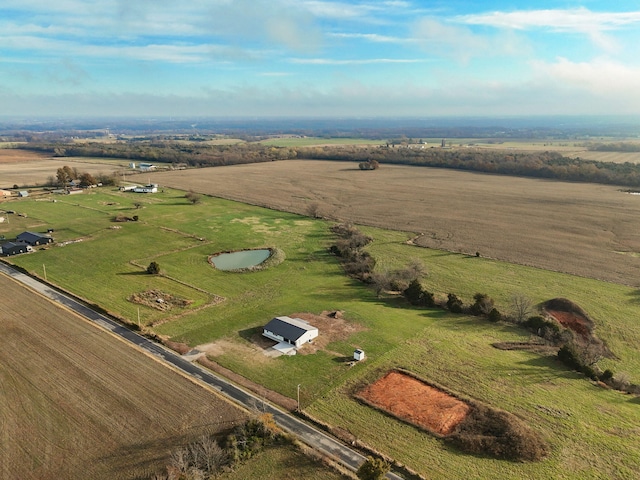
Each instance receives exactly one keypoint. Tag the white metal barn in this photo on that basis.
(294, 331)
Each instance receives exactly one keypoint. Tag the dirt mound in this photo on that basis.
(159, 300)
(570, 316)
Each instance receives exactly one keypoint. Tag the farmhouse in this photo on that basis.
(32, 238)
(13, 248)
(293, 331)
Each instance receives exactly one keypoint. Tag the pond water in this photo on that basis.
(242, 259)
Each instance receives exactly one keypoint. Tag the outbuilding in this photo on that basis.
(13, 248)
(151, 188)
(32, 238)
(358, 354)
(293, 331)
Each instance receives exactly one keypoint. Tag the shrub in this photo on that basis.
(153, 268)
(606, 375)
(499, 434)
(454, 304)
(373, 469)
(416, 295)
(483, 304)
(495, 315)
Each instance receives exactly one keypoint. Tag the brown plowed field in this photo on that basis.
(584, 229)
(78, 403)
(416, 402)
(25, 168)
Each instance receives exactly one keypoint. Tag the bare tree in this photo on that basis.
(313, 210)
(521, 307)
(193, 197)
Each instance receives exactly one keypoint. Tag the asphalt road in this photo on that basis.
(306, 433)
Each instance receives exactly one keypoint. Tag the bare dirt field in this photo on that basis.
(584, 229)
(416, 402)
(78, 403)
(25, 168)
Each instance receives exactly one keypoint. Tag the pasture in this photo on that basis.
(583, 229)
(592, 431)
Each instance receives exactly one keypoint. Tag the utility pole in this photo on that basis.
(44, 269)
(298, 397)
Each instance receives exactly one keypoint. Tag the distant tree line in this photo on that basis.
(545, 164)
(190, 154)
(623, 147)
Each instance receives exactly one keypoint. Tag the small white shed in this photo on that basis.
(358, 354)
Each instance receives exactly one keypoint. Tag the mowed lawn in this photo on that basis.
(592, 431)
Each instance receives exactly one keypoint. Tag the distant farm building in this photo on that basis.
(146, 167)
(5, 193)
(358, 354)
(32, 238)
(15, 248)
(128, 188)
(293, 331)
(23, 193)
(151, 188)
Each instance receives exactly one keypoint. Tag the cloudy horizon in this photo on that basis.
(314, 58)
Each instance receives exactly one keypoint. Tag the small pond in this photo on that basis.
(240, 260)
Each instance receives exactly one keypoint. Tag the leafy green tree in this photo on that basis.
(373, 469)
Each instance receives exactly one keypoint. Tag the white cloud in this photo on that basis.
(460, 42)
(361, 61)
(373, 37)
(601, 77)
(579, 20)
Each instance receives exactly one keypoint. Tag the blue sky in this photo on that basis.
(319, 58)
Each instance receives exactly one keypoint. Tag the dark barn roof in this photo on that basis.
(34, 238)
(9, 248)
(289, 328)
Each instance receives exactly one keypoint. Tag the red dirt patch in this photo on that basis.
(572, 321)
(416, 402)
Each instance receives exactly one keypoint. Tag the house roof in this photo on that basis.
(32, 236)
(289, 328)
(6, 246)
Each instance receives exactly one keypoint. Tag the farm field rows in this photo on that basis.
(77, 402)
(592, 431)
(583, 229)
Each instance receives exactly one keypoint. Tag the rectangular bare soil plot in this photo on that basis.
(416, 402)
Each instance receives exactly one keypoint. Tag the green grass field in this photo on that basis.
(593, 432)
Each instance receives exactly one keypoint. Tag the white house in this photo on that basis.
(151, 188)
(294, 331)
